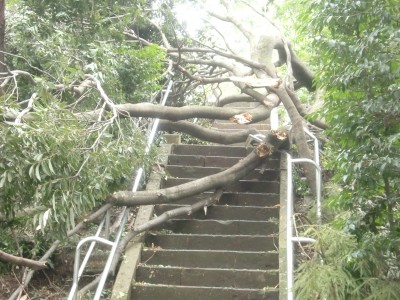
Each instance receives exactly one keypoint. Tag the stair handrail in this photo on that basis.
(290, 221)
(78, 267)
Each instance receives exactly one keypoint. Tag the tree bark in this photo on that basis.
(20, 261)
(178, 113)
(299, 136)
(239, 170)
(206, 134)
(273, 143)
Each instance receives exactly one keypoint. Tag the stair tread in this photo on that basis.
(229, 253)
(211, 235)
(207, 251)
(270, 271)
(236, 227)
(213, 161)
(213, 242)
(211, 277)
(260, 186)
(154, 291)
(216, 258)
(179, 171)
(224, 212)
(236, 198)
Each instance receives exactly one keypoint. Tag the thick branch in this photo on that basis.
(240, 59)
(20, 261)
(185, 210)
(302, 111)
(235, 98)
(299, 135)
(303, 75)
(206, 134)
(198, 186)
(178, 113)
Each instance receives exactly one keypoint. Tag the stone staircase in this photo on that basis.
(231, 252)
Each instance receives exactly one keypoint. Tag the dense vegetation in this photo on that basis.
(55, 164)
(355, 46)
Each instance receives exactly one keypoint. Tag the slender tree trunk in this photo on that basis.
(2, 35)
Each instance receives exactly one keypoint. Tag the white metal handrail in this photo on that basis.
(290, 239)
(78, 267)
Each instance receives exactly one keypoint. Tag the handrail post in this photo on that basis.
(110, 259)
(289, 227)
(78, 270)
(290, 222)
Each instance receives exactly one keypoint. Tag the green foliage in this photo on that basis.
(73, 38)
(138, 71)
(359, 47)
(342, 268)
(56, 162)
(55, 167)
(357, 54)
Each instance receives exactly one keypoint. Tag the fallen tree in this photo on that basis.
(242, 168)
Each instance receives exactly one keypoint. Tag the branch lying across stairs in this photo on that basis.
(185, 210)
(206, 134)
(230, 175)
(20, 261)
(244, 166)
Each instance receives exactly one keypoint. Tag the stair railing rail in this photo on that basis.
(290, 218)
(78, 266)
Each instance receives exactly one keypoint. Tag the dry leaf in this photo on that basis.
(263, 150)
(243, 118)
(281, 135)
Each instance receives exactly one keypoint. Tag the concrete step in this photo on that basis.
(214, 161)
(228, 227)
(237, 199)
(212, 242)
(210, 277)
(206, 258)
(210, 150)
(225, 212)
(169, 292)
(239, 186)
(198, 172)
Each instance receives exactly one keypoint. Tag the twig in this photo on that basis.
(20, 261)
(18, 119)
(28, 273)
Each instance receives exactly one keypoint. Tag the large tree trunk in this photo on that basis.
(298, 124)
